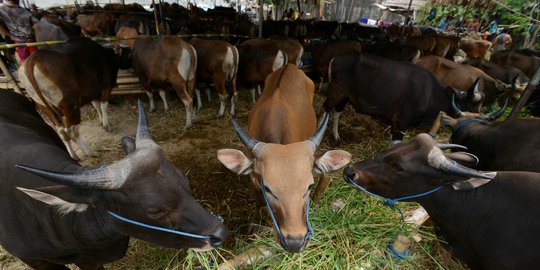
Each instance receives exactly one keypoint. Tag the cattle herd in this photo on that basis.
(56, 212)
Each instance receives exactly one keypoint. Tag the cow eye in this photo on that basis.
(267, 190)
(156, 213)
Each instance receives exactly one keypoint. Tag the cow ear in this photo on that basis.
(128, 144)
(235, 160)
(331, 161)
(67, 199)
(473, 183)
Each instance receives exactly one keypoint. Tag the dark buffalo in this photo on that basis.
(56, 212)
(400, 93)
(485, 217)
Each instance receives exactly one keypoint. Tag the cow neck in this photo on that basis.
(276, 225)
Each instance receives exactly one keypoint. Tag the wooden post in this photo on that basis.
(261, 19)
(9, 76)
(321, 188)
(156, 17)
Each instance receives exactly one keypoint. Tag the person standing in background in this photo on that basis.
(19, 22)
(501, 41)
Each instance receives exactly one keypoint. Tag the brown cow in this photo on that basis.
(217, 62)
(475, 49)
(64, 78)
(258, 58)
(527, 64)
(292, 48)
(462, 76)
(281, 157)
(166, 61)
(95, 24)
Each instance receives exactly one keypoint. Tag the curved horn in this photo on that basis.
(455, 107)
(437, 160)
(445, 146)
(499, 113)
(97, 178)
(142, 126)
(243, 135)
(319, 134)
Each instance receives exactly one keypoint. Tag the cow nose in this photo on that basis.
(296, 244)
(218, 236)
(348, 173)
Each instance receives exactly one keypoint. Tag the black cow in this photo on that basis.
(399, 93)
(62, 213)
(51, 28)
(506, 74)
(509, 145)
(485, 217)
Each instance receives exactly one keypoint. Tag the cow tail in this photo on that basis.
(30, 63)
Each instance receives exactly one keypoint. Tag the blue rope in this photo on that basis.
(158, 228)
(276, 225)
(396, 254)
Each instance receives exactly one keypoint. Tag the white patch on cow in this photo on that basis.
(335, 123)
(234, 100)
(279, 61)
(206, 247)
(228, 64)
(207, 90)
(105, 120)
(329, 73)
(184, 64)
(63, 206)
(151, 101)
(51, 93)
(95, 104)
(163, 96)
(418, 55)
(222, 101)
(190, 113)
(253, 97)
(198, 95)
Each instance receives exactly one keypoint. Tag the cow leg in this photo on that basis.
(208, 94)
(66, 140)
(322, 186)
(259, 89)
(321, 80)
(73, 133)
(105, 120)
(252, 91)
(396, 136)
(43, 265)
(222, 101)
(189, 112)
(163, 96)
(198, 95)
(234, 100)
(151, 100)
(335, 123)
(95, 104)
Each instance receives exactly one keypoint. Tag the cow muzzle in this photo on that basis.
(294, 244)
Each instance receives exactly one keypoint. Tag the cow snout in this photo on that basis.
(348, 173)
(218, 236)
(294, 244)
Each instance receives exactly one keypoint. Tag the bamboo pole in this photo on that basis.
(156, 17)
(9, 76)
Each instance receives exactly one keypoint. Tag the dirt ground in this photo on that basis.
(194, 151)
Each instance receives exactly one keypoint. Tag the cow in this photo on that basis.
(502, 146)
(217, 63)
(257, 60)
(60, 85)
(323, 53)
(165, 61)
(475, 49)
(399, 93)
(280, 157)
(51, 29)
(394, 51)
(56, 212)
(505, 74)
(292, 48)
(527, 64)
(461, 76)
(95, 24)
(484, 216)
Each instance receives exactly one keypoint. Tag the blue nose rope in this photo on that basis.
(208, 237)
(276, 225)
(392, 204)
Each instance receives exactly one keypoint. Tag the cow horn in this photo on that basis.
(438, 160)
(319, 134)
(143, 133)
(476, 96)
(243, 135)
(499, 113)
(97, 178)
(455, 107)
(445, 146)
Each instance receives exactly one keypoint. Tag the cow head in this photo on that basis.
(144, 187)
(416, 167)
(448, 121)
(472, 99)
(285, 172)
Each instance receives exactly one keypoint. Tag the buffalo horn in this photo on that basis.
(455, 107)
(97, 178)
(244, 137)
(437, 160)
(445, 146)
(499, 113)
(143, 133)
(319, 134)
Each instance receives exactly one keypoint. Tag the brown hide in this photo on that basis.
(459, 76)
(95, 24)
(527, 64)
(127, 32)
(476, 49)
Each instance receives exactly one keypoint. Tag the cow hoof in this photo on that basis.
(107, 128)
